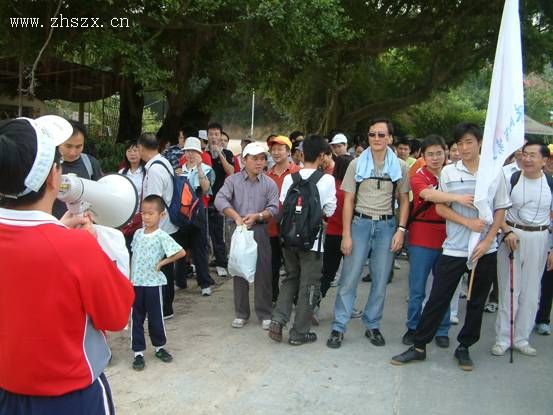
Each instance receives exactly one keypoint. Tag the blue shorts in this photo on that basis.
(92, 400)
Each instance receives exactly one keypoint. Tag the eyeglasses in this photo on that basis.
(380, 135)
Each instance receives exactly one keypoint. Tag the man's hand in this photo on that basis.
(346, 245)
(476, 225)
(511, 240)
(480, 250)
(83, 221)
(250, 219)
(550, 261)
(238, 220)
(397, 241)
(466, 200)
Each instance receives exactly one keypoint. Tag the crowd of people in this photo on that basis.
(320, 209)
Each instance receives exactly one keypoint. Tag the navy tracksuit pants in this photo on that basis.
(147, 302)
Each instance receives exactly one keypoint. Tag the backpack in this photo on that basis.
(185, 204)
(378, 179)
(301, 221)
(515, 177)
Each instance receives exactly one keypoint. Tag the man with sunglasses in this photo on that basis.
(371, 185)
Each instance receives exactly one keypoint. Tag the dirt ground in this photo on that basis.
(221, 370)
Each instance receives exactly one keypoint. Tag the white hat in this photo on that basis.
(193, 143)
(202, 134)
(339, 139)
(253, 149)
(50, 131)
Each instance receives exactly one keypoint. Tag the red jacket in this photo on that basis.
(58, 292)
(334, 224)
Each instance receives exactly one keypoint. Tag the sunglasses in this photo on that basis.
(380, 135)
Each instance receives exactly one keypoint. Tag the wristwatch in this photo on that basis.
(260, 217)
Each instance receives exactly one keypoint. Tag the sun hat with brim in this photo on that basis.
(203, 134)
(193, 143)
(49, 132)
(339, 139)
(253, 149)
(280, 139)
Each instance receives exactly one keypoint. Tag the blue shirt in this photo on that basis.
(148, 249)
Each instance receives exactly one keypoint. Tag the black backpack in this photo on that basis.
(515, 177)
(301, 221)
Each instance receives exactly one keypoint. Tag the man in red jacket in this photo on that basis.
(59, 290)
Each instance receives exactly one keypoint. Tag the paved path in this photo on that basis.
(221, 370)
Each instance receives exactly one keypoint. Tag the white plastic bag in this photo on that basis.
(243, 254)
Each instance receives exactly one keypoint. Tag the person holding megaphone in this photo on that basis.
(54, 305)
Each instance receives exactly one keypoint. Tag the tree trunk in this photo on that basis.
(131, 107)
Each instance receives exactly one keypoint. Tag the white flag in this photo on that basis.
(504, 129)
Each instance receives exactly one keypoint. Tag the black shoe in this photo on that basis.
(275, 331)
(138, 362)
(335, 339)
(408, 338)
(463, 358)
(299, 339)
(375, 337)
(163, 355)
(410, 355)
(442, 341)
(367, 278)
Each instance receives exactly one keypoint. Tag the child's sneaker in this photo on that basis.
(138, 362)
(163, 355)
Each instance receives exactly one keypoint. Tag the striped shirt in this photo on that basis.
(455, 178)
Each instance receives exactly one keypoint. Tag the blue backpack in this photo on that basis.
(185, 204)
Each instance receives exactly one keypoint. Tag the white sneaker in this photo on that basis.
(265, 324)
(396, 264)
(282, 272)
(543, 329)
(454, 320)
(499, 349)
(526, 349)
(238, 323)
(221, 272)
(356, 313)
(335, 281)
(206, 292)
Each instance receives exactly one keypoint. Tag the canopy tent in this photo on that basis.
(533, 127)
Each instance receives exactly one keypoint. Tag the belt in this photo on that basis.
(528, 228)
(373, 217)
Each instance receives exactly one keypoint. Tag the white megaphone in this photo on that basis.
(112, 200)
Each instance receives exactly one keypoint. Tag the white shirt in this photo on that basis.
(135, 177)
(327, 194)
(158, 182)
(532, 202)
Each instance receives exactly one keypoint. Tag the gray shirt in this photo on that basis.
(247, 196)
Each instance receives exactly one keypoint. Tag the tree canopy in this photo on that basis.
(323, 64)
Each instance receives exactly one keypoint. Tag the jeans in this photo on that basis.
(421, 261)
(368, 237)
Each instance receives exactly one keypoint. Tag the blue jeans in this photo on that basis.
(421, 261)
(368, 237)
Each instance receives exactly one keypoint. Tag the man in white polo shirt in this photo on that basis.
(461, 220)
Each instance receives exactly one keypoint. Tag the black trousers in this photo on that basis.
(194, 239)
(546, 298)
(216, 225)
(147, 302)
(449, 271)
(331, 261)
(276, 263)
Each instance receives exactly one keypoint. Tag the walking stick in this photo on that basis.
(511, 286)
(471, 279)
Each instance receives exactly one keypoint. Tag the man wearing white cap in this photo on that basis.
(55, 302)
(251, 198)
(339, 144)
(201, 177)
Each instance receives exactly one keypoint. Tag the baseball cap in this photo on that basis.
(203, 134)
(339, 139)
(49, 132)
(253, 149)
(193, 143)
(280, 139)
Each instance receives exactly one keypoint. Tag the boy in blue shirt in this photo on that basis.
(152, 248)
